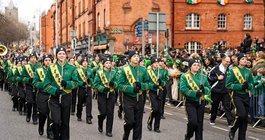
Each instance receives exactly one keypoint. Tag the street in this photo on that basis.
(15, 127)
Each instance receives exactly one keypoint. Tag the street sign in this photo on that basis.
(152, 26)
(138, 28)
(73, 33)
(88, 42)
(157, 22)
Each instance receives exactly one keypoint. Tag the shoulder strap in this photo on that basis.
(129, 74)
(191, 82)
(57, 77)
(41, 74)
(152, 75)
(29, 70)
(238, 75)
(104, 79)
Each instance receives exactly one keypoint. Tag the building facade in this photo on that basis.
(11, 12)
(116, 23)
(207, 23)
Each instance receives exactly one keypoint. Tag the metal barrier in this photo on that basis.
(257, 110)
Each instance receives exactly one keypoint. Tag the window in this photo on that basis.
(84, 28)
(98, 20)
(247, 22)
(79, 30)
(79, 8)
(84, 5)
(192, 21)
(104, 18)
(193, 47)
(221, 22)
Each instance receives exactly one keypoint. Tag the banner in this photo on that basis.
(193, 1)
(222, 2)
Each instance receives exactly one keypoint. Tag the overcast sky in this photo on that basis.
(28, 8)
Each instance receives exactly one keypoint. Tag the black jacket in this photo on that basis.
(213, 78)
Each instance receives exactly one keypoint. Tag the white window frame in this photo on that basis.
(193, 21)
(247, 22)
(221, 22)
(193, 47)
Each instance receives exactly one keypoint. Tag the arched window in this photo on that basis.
(221, 22)
(193, 21)
(247, 22)
(193, 47)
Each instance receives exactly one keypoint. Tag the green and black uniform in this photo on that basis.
(14, 92)
(62, 79)
(40, 82)
(105, 83)
(84, 94)
(27, 78)
(195, 88)
(240, 82)
(158, 78)
(131, 82)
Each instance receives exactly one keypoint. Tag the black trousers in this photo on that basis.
(241, 103)
(164, 95)
(74, 94)
(169, 91)
(60, 116)
(31, 103)
(226, 99)
(84, 96)
(21, 99)
(120, 109)
(195, 113)
(156, 111)
(133, 116)
(106, 109)
(14, 95)
(43, 109)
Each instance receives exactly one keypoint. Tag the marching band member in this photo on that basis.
(164, 73)
(39, 82)
(156, 95)
(240, 82)
(195, 87)
(77, 64)
(28, 74)
(20, 86)
(105, 83)
(62, 78)
(84, 94)
(132, 80)
(11, 78)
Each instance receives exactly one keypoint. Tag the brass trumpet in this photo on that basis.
(3, 50)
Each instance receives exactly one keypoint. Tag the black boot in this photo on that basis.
(100, 123)
(56, 131)
(88, 121)
(127, 129)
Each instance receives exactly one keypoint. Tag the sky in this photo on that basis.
(27, 9)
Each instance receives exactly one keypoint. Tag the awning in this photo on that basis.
(100, 47)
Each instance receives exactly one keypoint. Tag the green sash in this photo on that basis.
(57, 77)
(130, 76)
(82, 75)
(41, 74)
(29, 70)
(104, 79)
(238, 75)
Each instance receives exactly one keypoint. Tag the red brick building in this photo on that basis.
(48, 29)
(116, 21)
(204, 24)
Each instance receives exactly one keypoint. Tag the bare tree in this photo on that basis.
(11, 31)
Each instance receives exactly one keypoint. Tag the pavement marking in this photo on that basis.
(168, 113)
(253, 138)
(220, 128)
(164, 112)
